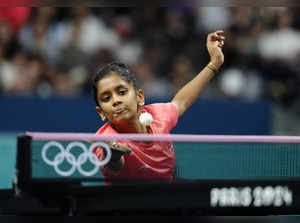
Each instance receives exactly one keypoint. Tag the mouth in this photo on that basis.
(120, 111)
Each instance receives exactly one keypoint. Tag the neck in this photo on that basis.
(132, 127)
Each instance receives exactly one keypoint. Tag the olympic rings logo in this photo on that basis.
(65, 154)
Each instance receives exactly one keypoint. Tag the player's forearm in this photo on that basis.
(187, 95)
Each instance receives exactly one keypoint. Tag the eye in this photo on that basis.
(123, 92)
(105, 98)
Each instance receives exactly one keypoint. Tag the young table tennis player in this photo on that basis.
(121, 102)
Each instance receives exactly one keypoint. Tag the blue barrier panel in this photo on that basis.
(79, 115)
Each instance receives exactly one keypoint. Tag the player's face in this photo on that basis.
(118, 100)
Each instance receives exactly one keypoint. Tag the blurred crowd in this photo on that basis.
(51, 51)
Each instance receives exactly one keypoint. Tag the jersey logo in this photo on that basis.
(170, 148)
(144, 166)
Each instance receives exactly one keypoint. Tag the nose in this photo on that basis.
(116, 100)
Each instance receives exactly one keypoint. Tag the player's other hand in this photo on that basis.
(214, 44)
(117, 160)
(118, 150)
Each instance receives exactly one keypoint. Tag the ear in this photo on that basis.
(140, 97)
(100, 113)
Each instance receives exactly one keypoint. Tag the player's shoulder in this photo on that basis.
(106, 129)
(159, 108)
(152, 107)
(160, 105)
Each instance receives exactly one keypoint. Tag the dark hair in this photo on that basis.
(119, 68)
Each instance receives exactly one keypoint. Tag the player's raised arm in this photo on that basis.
(187, 95)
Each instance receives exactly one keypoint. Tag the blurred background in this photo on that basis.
(49, 55)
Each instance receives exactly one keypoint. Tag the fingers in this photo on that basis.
(120, 147)
(221, 43)
(124, 148)
(220, 32)
(117, 146)
(118, 150)
(219, 37)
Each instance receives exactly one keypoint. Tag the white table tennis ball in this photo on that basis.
(145, 118)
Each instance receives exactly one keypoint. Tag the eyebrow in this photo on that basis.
(117, 87)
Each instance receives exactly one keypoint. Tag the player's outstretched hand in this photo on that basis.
(214, 44)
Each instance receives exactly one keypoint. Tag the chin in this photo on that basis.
(123, 121)
(120, 121)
